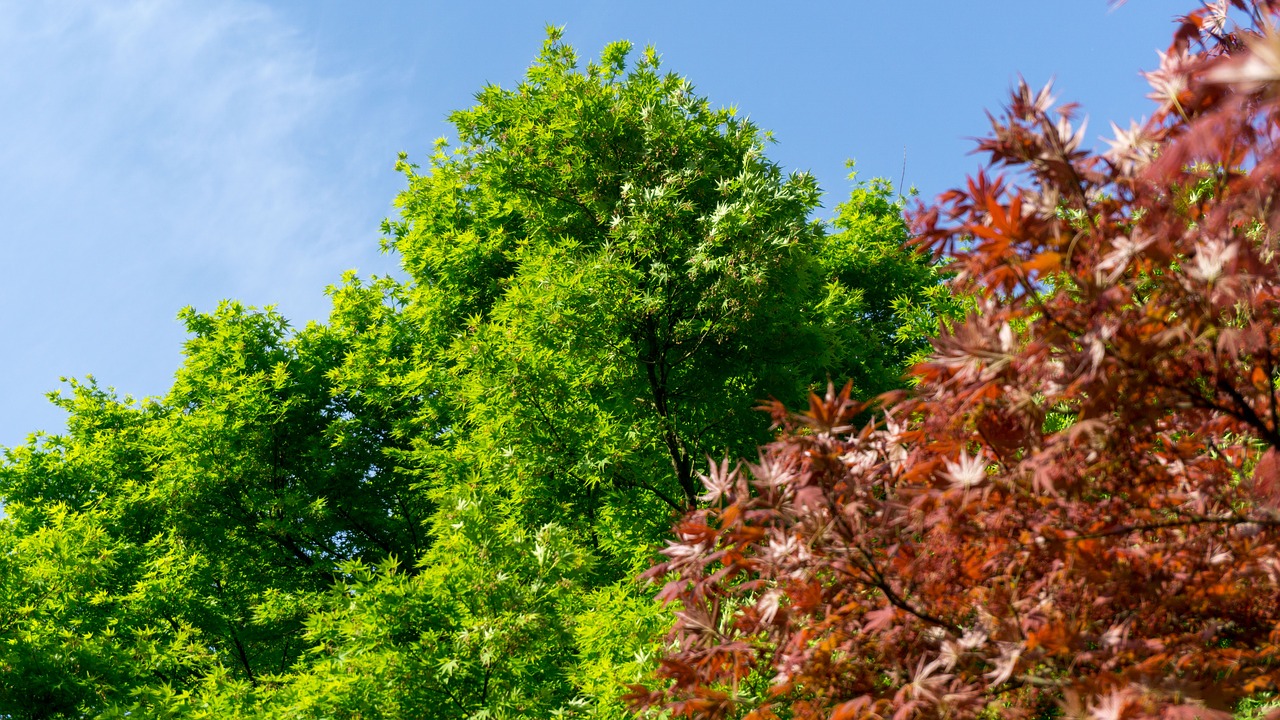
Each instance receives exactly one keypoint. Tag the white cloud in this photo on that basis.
(158, 153)
(196, 113)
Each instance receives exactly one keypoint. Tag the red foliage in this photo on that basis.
(1077, 505)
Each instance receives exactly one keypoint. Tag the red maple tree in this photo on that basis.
(1077, 509)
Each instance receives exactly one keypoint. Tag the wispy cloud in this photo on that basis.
(157, 153)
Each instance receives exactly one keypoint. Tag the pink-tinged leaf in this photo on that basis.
(1193, 712)
(854, 709)
(880, 620)
(1266, 479)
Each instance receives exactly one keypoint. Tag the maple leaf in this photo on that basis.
(1266, 479)
(1257, 69)
(719, 482)
(1005, 664)
(1170, 80)
(1211, 259)
(966, 472)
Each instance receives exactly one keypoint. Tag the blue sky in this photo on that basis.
(164, 153)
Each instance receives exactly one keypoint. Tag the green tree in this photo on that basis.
(606, 276)
(609, 274)
(174, 522)
(433, 504)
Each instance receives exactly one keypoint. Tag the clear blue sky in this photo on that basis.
(163, 153)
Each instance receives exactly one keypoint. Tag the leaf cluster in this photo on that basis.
(1074, 510)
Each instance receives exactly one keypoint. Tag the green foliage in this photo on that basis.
(476, 630)
(883, 302)
(609, 275)
(1257, 706)
(433, 505)
(253, 478)
(74, 626)
(617, 632)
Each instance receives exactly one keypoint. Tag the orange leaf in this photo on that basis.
(852, 709)
(1043, 263)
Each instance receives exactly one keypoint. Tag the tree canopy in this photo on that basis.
(435, 503)
(596, 270)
